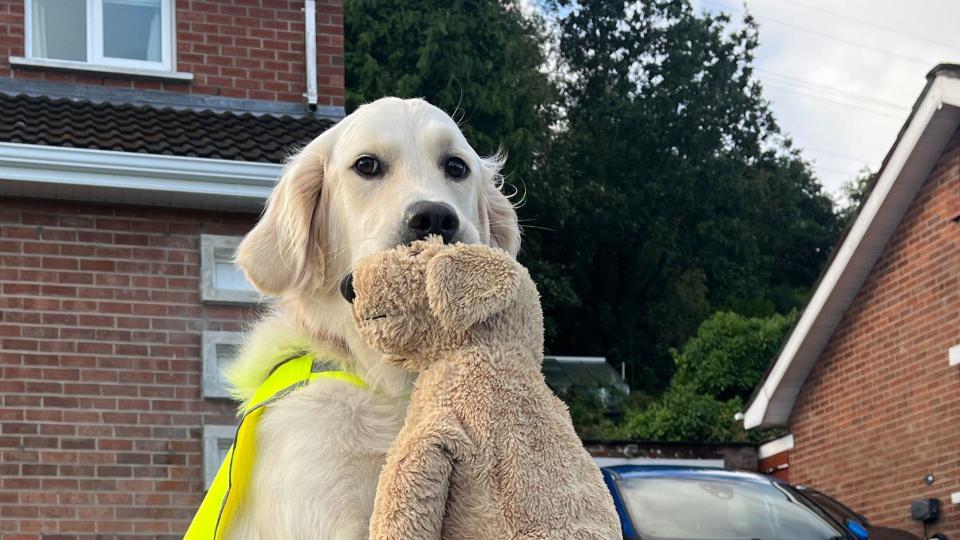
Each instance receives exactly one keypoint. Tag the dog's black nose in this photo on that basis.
(346, 288)
(425, 218)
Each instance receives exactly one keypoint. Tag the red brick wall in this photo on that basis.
(100, 347)
(881, 408)
(777, 465)
(234, 48)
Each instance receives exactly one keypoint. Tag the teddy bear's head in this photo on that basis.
(417, 301)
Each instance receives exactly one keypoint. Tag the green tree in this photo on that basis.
(855, 193)
(479, 61)
(668, 192)
(716, 371)
(729, 353)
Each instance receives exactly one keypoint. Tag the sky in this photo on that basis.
(842, 75)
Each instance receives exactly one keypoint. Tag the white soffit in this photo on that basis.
(922, 141)
(28, 170)
(776, 446)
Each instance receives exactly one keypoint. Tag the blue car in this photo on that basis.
(668, 502)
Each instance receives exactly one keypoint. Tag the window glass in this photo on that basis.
(223, 447)
(831, 506)
(59, 29)
(226, 352)
(698, 507)
(228, 276)
(221, 281)
(131, 29)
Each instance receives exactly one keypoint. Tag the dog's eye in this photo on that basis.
(456, 168)
(367, 166)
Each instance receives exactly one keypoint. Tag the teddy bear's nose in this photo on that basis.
(425, 218)
(346, 288)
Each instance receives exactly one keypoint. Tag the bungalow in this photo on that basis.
(868, 382)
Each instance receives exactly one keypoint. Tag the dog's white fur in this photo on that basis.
(320, 448)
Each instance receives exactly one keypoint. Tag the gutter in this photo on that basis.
(28, 170)
(310, 38)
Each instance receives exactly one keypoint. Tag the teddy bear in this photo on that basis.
(487, 451)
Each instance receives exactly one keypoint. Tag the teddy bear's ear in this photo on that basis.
(467, 284)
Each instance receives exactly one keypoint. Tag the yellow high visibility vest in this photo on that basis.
(219, 506)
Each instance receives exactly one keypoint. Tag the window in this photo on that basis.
(221, 281)
(216, 444)
(954, 356)
(219, 349)
(725, 507)
(120, 33)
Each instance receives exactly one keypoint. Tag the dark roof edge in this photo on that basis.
(944, 70)
(174, 100)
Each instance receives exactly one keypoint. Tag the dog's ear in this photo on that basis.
(285, 249)
(467, 284)
(498, 218)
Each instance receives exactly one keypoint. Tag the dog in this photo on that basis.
(392, 172)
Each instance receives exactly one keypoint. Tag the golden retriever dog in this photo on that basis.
(393, 172)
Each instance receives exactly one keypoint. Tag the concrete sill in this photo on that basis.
(64, 65)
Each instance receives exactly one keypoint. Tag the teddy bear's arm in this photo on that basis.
(412, 491)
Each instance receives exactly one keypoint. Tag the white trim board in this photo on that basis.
(28, 170)
(930, 128)
(954, 356)
(310, 40)
(90, 67)
(580, 359)
(776, 446)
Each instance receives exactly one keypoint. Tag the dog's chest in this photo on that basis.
(319, 454)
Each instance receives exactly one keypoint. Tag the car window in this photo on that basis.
(693, 508)
(836, 509)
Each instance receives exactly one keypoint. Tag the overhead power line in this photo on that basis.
(811, 95)
(834, 171)
(831, 153)
(954, 46)
(915, 60)
(829, 89)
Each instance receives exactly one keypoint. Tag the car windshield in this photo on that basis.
(835, 509)
(697, 507)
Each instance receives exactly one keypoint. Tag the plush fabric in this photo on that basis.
(486, 451)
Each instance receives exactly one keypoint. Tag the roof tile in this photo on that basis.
(131, 128)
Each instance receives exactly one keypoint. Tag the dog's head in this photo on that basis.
(416, 301)
(393, 172)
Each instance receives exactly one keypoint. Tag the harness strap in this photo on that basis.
(220, 504)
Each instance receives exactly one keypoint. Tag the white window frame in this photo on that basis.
(211, 387)
(210, 244)
(95, 55)
(212, 437)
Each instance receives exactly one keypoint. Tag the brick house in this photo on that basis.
(138, 141)
(868, 382)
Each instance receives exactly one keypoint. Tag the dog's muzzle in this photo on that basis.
(426, 218)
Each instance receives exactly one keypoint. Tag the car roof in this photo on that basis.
(686, 471)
